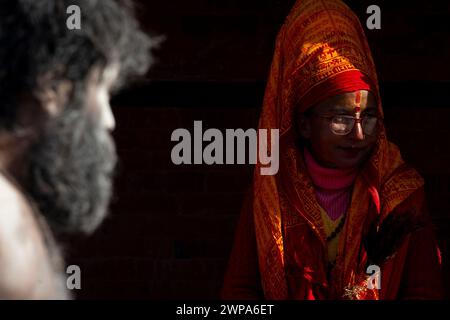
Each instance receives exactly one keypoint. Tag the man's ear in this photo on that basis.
(304, 126)
(52, 95)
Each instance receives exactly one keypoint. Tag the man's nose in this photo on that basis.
(109, 121)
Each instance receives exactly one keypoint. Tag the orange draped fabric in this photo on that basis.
(280, 250)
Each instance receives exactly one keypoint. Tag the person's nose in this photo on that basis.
(109, 121)
(357, 132)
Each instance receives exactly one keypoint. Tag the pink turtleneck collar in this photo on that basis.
(332, 187)
(328, 178)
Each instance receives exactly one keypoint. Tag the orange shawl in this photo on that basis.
(320, 51)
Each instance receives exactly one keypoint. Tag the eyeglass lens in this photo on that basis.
(342, 125)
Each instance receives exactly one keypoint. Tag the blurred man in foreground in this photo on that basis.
(56, 153)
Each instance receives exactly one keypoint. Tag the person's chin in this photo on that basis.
(350, 158)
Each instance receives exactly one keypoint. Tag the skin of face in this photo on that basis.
(339, 151)
(98, 95)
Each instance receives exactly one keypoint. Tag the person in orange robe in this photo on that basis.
(344, 217)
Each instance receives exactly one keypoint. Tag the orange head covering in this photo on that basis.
(321, 51)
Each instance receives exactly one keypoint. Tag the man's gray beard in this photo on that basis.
(71, 172)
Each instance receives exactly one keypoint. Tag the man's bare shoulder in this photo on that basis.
(14, 210)
(24, 263)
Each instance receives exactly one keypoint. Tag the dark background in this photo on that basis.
(171, 227)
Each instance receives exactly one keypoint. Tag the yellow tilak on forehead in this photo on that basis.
(358, 102)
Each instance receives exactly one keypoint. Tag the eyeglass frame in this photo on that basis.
(356, 119)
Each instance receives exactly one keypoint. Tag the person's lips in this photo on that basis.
(352, 151)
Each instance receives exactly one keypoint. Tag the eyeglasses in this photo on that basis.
(342, 125)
